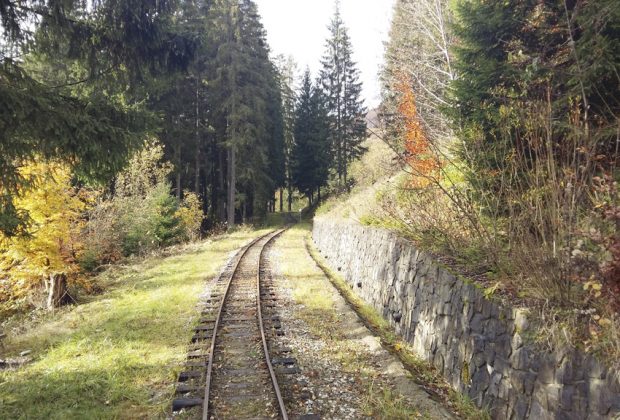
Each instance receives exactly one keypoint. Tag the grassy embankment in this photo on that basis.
(117, 355)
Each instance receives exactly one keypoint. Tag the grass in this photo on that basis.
(314, 292)
(422, 371)
(372, 174)
(118, 355)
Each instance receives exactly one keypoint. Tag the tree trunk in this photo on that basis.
(177, 152)
(231, 187)
(197, 177)
(219, 194)
(57, 291)
(319, 195)
(281, 198)
(290, 199)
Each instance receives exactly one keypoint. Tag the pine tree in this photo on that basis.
(340, 81)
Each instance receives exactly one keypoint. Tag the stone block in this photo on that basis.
(517, 342)
(502, 365)
(489, 353)
(567, 372)
(546, 372)
(494, 383)
(479, 384)
(554, 393)
(523, 382)
(537, 411)
(478, 360)
(520, 319)
(487, 307)
(505, 388)
(475, 325)
(503, 346)
(594, 369)
(520, 358)
(520, 409)
(600, 400)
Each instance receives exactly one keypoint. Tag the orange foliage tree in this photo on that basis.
(418, 154)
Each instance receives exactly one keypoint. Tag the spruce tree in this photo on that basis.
(246, 110)
(310, 154)
(340, 81)
(286, 70)
(303, 158)
(66, 76)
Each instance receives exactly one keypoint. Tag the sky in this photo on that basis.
(299, 28)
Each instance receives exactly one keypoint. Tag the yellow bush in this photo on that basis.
(191, 216)
(55, 209)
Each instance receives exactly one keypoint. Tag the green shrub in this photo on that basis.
(141, 215)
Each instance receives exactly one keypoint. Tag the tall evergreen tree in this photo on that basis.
(340, 80)
(286, 69)
(66, 69)
(310, 154)
(246, 111)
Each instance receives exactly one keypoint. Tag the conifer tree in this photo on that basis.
(65, 73)
(246, 115)
(310, 154)
(340, 81)
(286, 69)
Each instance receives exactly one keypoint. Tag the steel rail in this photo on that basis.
(205, 401)
(272, 373)
(205, 408)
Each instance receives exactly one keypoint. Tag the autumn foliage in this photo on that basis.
(418, 153)
(55, 210)
(73, 229)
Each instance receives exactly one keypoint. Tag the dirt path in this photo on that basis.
(344, 371)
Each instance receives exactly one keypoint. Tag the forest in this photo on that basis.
(149, 147)
(126, 132)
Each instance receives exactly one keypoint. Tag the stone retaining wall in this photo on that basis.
(475, 343)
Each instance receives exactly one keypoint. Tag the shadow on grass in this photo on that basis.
(73, 394)
(116, 356)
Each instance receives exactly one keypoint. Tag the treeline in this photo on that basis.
(222, 119)
(507, 117)
(131, 125)
(330, 118)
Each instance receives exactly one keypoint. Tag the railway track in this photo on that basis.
(229, 370)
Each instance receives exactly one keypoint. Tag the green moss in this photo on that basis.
(465, 373)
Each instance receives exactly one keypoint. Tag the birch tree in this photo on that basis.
(419, 52)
